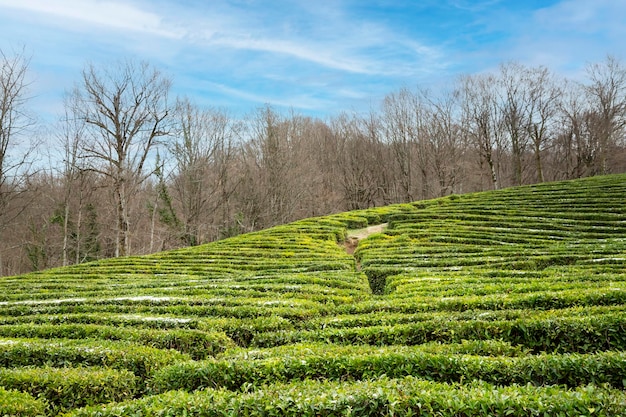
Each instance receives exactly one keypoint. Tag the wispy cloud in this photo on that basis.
(569, 34)
(313, 56)
(332, 47)
(307, 52)
(331, 39)
(301, 101)
(108, 14)
(474, 5)
(601, 17)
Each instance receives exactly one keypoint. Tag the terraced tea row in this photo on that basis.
(522, 289)
(403, 397)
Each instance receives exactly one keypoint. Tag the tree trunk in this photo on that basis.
(66, 220)
(492, 170)
(123, 242)
(79, 222)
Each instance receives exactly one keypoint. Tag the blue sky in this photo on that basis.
(318, 57)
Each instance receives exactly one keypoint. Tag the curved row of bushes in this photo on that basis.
(64, 389)
(198, 344)
(142, 361)
(568, 334)
(519, 286)
(403, 397)
(570, 370)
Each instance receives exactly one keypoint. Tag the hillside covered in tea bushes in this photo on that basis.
(510, 302)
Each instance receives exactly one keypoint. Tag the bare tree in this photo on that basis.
(203, 152)
(577, 146)
(320, 152)
(273, 171)
(76, 211)
(545, 98)
(606, 94)
(445, 136)
(402, 115)
(482, 120)
(71, 134)
(361, 162)
(15, 150)
(125, 108)
(514, 105)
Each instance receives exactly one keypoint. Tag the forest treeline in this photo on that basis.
(133, 170)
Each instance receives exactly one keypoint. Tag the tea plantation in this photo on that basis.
(509, 303)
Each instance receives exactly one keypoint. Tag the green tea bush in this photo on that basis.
(198, 344)
(406, 397)
(549, 369)
(377, 278)
(543, 334)
(19, 404)
(141, 360)
(67, 388)
(302, 350)
(352, 221)
(522, 288)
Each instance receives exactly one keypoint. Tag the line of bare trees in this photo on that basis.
(134, 171)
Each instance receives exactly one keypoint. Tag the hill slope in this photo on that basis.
(508, 302)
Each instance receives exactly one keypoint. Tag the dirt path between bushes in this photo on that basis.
(354, 236)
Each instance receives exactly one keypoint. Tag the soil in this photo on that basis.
(354, 236)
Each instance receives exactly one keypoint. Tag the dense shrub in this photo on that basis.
(409, 396)
(20, 404)
(197, 343)
(548, 369)
(522, 291)
(141, 360)
(543, 334)
(68, 388)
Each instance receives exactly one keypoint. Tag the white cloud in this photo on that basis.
(286, 100)
(474, 6)
(111, 14)
(302, 54)
(318, 54)
(326, 36)
(579, 15)
(332, 39)
(564, 36)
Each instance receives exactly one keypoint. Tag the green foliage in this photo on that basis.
(550, 334)
(89, 249)
(165, 208)
(509, 302)
(84, 245)
(377, 278)
(234, 228)
(67, 388)
(547, 369)
(19, 404)
(352, 221)
(140, 360)
(36, 248)
(198, 344)
(408, 397)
